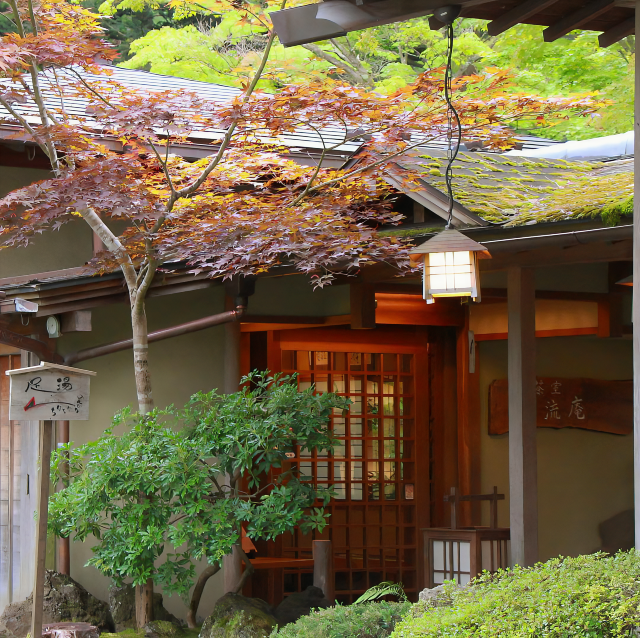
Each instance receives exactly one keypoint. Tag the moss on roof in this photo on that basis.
(515, 190)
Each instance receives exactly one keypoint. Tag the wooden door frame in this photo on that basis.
(386, 339)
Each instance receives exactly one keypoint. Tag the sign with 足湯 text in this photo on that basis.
(49, 392)
(589, 404)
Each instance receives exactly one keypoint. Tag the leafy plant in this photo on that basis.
(588, 596)
(369, 620)
(386, 588)
(203, 472)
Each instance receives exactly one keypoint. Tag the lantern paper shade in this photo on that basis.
(450, 265)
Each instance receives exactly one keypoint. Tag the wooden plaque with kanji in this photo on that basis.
(589, 404)
(49, 392)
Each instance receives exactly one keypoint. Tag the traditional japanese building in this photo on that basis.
(427, 381)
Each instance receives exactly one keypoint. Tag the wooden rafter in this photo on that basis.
(615, 34)
(576, 19)
(521, 13)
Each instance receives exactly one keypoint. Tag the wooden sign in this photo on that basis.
(589, 404)
(49, 392)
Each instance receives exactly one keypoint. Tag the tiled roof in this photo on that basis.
(513, 190)
(304, 138)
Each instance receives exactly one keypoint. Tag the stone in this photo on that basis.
(162, 629)
(300, 604)
(64, 600)
(235, 616)
(436, 597)
(69, 630)
(122, 604)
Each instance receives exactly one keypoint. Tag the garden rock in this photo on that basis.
(436, 597)
(162, 629)
(65, 600)
(235, 616)
(69, 630)
(122, 604)
(300, 604)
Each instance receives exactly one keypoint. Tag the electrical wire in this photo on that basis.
(452, 114)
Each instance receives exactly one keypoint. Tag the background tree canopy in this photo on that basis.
(217, 44)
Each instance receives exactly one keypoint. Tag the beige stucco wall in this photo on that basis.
(66, 248)
(584, 477)
(179, 367)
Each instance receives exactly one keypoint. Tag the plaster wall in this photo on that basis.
(179, 367)
(584, 477)
(68, 247)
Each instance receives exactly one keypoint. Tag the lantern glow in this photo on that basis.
(450, 266)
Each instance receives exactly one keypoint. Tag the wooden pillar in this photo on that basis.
(232, 563)
(523, 479)
(636, 293)
(63, 554)
(323, 569)
(46, 428)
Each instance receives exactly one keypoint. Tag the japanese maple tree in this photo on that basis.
(243, 209)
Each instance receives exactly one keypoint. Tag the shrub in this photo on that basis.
(587, 596)
(368, 620)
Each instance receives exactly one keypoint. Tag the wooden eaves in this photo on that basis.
(333, 18)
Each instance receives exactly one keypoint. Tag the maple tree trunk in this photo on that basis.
(144, 593)
(141, 358)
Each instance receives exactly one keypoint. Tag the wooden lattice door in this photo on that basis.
(380, 485)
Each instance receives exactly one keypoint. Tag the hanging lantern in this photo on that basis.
(450, 265)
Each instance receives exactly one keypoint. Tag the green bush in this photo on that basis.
(367, 620)
(588, 596)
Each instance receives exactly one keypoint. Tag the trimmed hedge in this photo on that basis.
(587, 596)
(367, 620)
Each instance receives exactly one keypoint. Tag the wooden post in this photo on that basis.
(46, 428)
(636, 293)
(232, 563)
(63, 558)
(523, 487)
(323, 569)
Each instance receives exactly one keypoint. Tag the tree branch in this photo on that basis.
(341, 64)
(114, 245)
(187, 190)
(248, 571)
(210, 571)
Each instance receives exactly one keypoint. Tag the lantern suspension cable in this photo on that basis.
(448, 16)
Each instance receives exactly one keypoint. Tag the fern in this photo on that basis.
(386, 588)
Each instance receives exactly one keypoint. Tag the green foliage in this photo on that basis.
(391, 56)
(124, 26)
(369, 620)
(386, 588)
(587, 596)
(225, 53)
(158, 489)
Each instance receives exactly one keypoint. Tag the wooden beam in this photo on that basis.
(76, 321)
(587, 253)
(323, 569)
(615, 34)
(561, 295)
(469, 433)
(10, 338)
(523, 488)
(362, 298)
(576, 19)
(518, 14)
(46, 428)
